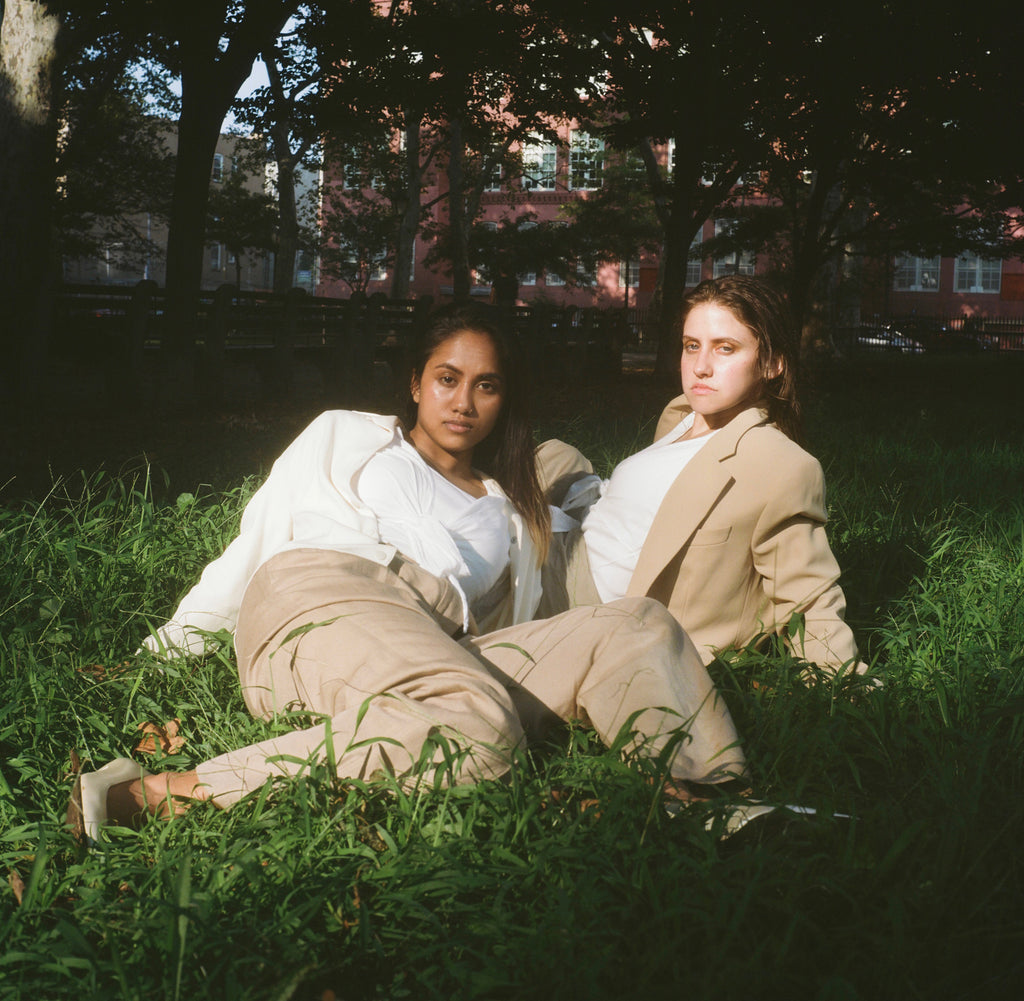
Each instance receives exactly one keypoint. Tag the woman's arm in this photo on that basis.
(799, 573)
(306, 499)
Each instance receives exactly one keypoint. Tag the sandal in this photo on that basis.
(87, 811)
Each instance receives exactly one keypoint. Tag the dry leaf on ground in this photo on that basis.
(165, 737)
(17, 884)
(101, 672)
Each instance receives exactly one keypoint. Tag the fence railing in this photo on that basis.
(349, 341)
(117, 328)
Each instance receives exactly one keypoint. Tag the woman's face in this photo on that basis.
(458, 397)
(720, 366)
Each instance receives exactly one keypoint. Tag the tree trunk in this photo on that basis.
(680, 230)
(409, 223)
(29, 37)
(457, 214)
(198, 132)
(210, 78)
(288, 216)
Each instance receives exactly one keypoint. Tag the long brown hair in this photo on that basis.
(507, 453)
(765, 313)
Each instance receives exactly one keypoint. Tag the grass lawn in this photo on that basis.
(315, 889)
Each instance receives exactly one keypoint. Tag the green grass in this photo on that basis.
(315, 888)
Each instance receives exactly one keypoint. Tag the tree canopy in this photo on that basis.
(858, 132)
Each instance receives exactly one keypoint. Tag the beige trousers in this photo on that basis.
(371, 651)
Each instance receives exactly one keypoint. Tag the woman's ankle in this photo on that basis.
(162, 794)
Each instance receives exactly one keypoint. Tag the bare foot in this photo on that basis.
(161, 795)
(687, 791)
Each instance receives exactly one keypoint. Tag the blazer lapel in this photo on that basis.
(692, 497)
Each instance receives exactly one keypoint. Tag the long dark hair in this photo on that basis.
(507, 453)
(765, 313)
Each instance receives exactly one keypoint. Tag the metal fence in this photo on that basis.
(111, 334)
(348, 342)
(916, 335)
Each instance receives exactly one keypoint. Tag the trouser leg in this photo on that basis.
(627, 662)
(366, 647)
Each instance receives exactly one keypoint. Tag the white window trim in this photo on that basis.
(916, 269)
(694, 268)
(536, 176)
(588, 152)
(978, 268)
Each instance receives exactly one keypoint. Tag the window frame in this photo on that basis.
(586, 161)
(987, 274)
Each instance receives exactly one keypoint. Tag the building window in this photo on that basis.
(540, 161)
(694, 263)
(976, 274)
(475, 274)
(916, 274)
(586, 161)
(527, 277)
(551, 279)
(734, 263)
(218, 168)
(629, 274)
(494, 177)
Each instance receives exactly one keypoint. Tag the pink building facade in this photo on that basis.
(571, 168)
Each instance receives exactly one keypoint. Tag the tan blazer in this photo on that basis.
(738, 546)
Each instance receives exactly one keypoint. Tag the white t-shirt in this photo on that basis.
(428, 519)
(617, 524)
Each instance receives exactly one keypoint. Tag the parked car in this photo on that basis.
(938, 336)
(888, 337)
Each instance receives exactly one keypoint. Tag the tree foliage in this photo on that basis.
(115, 175)
(461, 109)
(883, 145)
(243, 219)
(287, 111)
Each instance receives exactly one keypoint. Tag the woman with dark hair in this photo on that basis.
(506, 454)
(365, 574)
(722, 518)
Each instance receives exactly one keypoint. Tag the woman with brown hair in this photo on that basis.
(722, 518)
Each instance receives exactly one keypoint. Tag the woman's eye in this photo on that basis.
(446, 380)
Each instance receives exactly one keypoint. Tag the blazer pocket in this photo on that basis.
(710, 536)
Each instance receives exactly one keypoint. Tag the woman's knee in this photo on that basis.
(647, 621)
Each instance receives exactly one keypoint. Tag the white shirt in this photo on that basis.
(617, 524)
(430, 520)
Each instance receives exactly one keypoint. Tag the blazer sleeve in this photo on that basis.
(306, 482)
(800, 574)
(559, 466)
